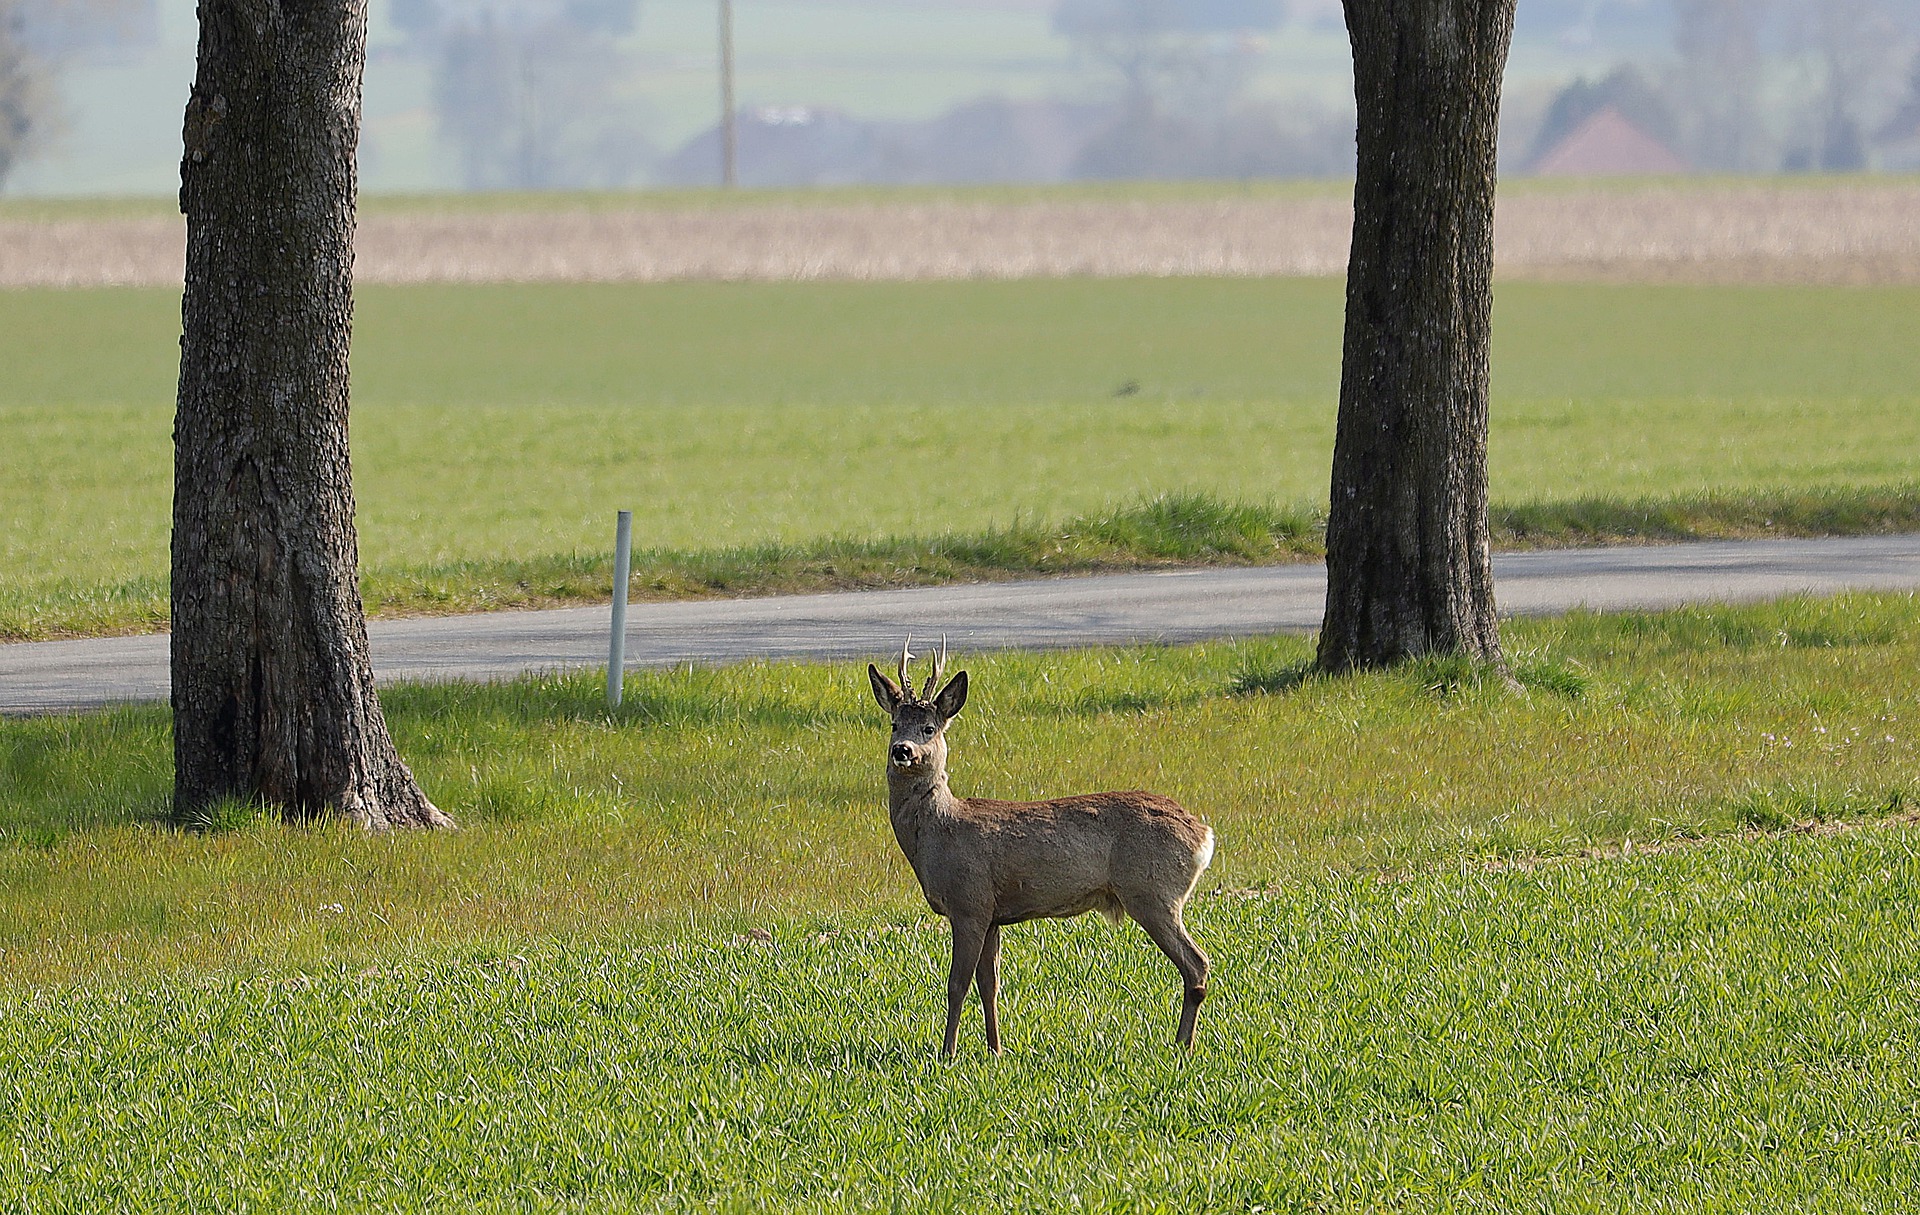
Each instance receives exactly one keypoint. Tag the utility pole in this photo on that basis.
(729, 175)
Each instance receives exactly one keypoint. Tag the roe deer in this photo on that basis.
(984, 863)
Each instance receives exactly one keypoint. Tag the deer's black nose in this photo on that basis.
(902, 753)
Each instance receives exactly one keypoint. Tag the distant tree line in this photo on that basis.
(21, 88)
(33, 35)
(533, 94)
(1174, 104)
(1181, 108)
(540, 94)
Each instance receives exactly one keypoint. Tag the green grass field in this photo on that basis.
(1434, 1000)
(497, 430)
(1728, 1029)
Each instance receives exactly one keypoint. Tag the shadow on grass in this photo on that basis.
(1837, 622)
(224, 815)
(64, 774)
(1808, 622)
(1272, 681)
(1787, 807)
(1104, 700)
(1438, 676)
(650, 699)
(1718, 515)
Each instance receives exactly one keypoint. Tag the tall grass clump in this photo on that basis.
(1188, 529)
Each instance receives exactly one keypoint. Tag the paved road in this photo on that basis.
(1172, 606)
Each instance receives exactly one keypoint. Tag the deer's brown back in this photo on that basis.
(1129, 812)
(1069, 855)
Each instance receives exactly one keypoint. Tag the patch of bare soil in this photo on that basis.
(1864, 233)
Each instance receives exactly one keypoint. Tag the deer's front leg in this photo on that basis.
(969, 938)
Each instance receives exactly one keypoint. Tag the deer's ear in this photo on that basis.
(952, 697)
(884, 690)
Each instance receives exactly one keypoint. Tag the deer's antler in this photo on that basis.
(906, 683)
(939, 669)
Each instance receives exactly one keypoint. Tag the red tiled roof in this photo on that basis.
(1608, 144)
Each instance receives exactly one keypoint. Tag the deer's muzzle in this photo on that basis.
(902, 755)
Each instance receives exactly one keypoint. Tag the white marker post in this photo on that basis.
(617, 643)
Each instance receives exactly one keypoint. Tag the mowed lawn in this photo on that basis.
(1732, 1028)
(1564, 951)
(510, 423)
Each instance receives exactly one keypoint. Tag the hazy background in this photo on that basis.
(537, 94)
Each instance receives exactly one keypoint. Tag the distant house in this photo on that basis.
(993, 139)
(1608, 144)
(782, 145)
(987, 140)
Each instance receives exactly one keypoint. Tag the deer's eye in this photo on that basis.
(927, 730)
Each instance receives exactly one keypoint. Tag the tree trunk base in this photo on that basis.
(368, 810)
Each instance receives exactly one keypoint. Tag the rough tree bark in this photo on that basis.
(1408, 568)
(273, 693)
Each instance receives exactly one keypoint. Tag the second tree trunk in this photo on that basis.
(1408, 567)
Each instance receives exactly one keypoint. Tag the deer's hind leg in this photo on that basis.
(1162, 922)
(986, 976)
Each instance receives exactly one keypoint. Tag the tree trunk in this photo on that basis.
(23, 92)
(1408, 568)
(273, 693)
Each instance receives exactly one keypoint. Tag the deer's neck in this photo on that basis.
(914, 801)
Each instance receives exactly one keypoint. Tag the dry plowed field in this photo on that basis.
(1856, 233)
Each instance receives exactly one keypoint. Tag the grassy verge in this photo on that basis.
(1725, 515)
(730, 796)
(1184, 529)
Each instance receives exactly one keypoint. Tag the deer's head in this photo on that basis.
(919, 721)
